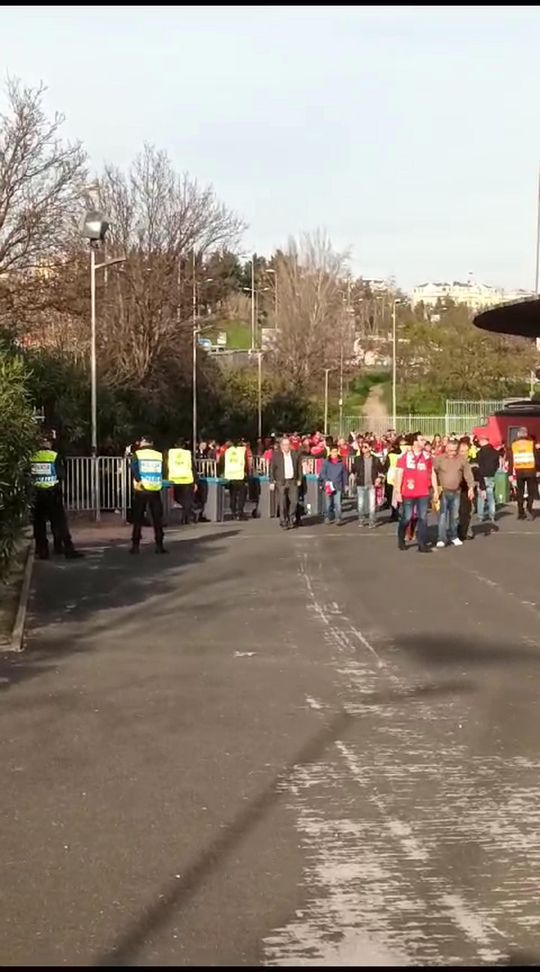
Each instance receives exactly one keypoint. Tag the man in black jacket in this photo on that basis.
(488, 462)
(368, 471)
(286, 476)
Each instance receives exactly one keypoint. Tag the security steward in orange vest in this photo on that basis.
(147, 472)
(522, 464)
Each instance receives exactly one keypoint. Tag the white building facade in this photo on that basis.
(477, 296)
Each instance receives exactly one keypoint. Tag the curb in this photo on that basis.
(17, 635)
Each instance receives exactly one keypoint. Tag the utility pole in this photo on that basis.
(394, 364)
(341, 387)
(253, 309)
(259, 363)
(537, 269)
(194, 353)
(326, 373)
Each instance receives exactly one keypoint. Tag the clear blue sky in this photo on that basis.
(411, 134)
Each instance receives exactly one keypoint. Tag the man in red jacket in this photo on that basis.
(415, 477)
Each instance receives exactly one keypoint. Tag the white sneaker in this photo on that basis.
(457, 542)
(441, 544)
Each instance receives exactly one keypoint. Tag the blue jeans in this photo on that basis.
(490, 496)
(449, 514)
(408, 508)
(366, 503)
(332, 505)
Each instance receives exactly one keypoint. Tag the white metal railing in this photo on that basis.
(102, 484)
(260, 466)
(429, 424)
(206, 467)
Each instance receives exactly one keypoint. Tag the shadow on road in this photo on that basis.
(175, 894)
(455, 649)
(77, 597)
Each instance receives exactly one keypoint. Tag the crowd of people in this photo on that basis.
(408, 475)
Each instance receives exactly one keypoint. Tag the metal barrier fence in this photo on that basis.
(102, 484)
(429, 424)
(478, 410)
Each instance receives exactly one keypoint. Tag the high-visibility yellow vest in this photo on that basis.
(180, 466)
(523, 454)
(44, 473)
(150, 470)
(391, 474)
(235, 462)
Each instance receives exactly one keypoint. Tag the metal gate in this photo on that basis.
(97, 485)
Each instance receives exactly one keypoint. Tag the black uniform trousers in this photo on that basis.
(520, 493)
(142, 501)
(183, 494)
(238, 496)
(48, 507)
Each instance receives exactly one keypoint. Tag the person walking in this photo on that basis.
(450, 469)
(397, 450)
(488, 460)
(48, 473)
(147, 472)
(367, 469)
(415, 478)
(286, 478)
(180, 474)
(236, 472)
(333, 477)
(522, 463)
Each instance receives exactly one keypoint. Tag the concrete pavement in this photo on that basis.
(276, 748)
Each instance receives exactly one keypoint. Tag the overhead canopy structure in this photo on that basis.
(522, 318)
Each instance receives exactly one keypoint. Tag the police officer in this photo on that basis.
(180, 474)
(235, 470)
(147, 471)
(48, 472)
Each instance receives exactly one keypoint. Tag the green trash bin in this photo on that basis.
(501, 487)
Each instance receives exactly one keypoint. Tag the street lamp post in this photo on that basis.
(194, 335)
(274, 274)
(94, 229)
(253, 309)
(341, 388)
(259, 385)
(326, 373)
(394, 361)
(394, 365)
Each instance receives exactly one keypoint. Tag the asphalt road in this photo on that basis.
(276, 748)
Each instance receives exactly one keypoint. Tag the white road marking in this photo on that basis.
(376, 894)
(325, 613)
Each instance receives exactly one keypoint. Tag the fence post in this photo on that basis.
(123, 490)
(96, 505)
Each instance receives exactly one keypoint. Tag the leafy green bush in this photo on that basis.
(17, 442)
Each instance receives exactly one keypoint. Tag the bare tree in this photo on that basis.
(164, 223)
(41, 178)
(313, 330)
(167, 227)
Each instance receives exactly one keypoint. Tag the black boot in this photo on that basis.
(401, 537)
(134, 549)
(160, 549)
(72, 554)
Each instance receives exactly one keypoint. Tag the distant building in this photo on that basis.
(376, 285)
(475, 295)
